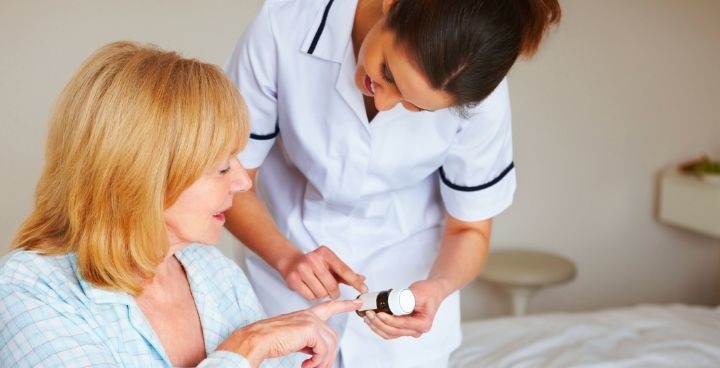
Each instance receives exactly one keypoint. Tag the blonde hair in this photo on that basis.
(133, 128)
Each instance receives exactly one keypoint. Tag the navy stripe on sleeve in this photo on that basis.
(264, 137)
(479, 187)
(320, 28)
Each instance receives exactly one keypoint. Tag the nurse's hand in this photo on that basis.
(427, 302)
(316, 275)
(302, 331)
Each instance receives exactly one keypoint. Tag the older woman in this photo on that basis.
(140, 165)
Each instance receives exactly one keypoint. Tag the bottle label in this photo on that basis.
(369, 301)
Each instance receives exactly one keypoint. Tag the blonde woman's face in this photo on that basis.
(199, 213)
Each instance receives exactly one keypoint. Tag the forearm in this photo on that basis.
(463, 250)
(250, 222)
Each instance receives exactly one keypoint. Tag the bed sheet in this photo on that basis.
(642, 336)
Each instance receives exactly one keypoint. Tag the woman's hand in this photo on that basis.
(427, 301)
(316, 275)
(302, 331)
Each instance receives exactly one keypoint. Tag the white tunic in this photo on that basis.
(375, 193)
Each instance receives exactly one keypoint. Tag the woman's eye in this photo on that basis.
(225, 171)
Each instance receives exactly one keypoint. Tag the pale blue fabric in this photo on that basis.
(51, 317)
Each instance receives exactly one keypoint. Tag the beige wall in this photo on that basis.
(43, 42)
(622, 89)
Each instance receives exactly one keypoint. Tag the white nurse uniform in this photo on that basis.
(375, 193)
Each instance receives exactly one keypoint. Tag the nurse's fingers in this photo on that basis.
(342, 271)
(378, 323)
(307, 273)
(304, 291)
(323, 273)
(328, 309)
(328, 281)
(417, 322)
(296, 282)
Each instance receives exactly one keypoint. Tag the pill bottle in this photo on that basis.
(395, 302)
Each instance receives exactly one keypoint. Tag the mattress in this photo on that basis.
(642, 336)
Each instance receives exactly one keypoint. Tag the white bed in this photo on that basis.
(644, 336)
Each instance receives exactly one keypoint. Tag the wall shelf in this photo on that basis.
(689, 202)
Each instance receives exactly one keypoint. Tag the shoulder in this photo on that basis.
(303, 7)
(207, 260)
(498, 102)
(30, 269)
(29, 280)
(216, 276)
(290, 18)
(299, 9)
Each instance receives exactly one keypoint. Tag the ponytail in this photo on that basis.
(536, 17)
(466, 47)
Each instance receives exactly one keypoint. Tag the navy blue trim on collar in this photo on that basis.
(264, 137)
(320, 29)
(479, 187)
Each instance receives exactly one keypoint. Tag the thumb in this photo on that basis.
(328, 309)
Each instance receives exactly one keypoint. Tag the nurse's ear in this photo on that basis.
(386, 4)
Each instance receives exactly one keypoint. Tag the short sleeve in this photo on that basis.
(252, 68)
(478, 174)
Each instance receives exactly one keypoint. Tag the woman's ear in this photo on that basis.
(386, 4)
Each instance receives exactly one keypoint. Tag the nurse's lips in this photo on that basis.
(369, 86)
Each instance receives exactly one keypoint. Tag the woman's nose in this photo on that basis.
(241, 182)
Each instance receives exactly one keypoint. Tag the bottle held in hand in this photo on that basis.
(394, 302)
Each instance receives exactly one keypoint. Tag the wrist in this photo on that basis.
(246, 344)
(285, 258)
(442, 287)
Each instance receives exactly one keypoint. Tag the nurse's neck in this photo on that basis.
(367, 13)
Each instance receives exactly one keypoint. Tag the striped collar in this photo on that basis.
(330, 34)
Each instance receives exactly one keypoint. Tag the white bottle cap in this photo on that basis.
(401, 302)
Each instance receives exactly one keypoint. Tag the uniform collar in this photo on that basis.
(329, 35)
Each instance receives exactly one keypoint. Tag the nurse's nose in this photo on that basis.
(241, 182)
(387, 97)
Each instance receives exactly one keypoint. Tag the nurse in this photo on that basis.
(381, 142)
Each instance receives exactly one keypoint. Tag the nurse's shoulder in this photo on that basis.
(282, 23)
(292, 11)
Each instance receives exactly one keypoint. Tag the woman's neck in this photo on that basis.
(168, 274)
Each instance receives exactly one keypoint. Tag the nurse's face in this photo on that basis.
(387, 74)
(198, 214)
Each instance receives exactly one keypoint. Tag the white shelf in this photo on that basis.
(689, 202)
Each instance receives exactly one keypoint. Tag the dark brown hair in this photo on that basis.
(466, 47)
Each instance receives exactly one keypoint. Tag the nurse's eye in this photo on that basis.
(225, 170)
(387, 75)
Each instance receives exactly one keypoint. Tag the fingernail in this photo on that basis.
(357, 301)
(382, 316)
(370, 314)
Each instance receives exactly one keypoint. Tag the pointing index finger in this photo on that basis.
(328, 309)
